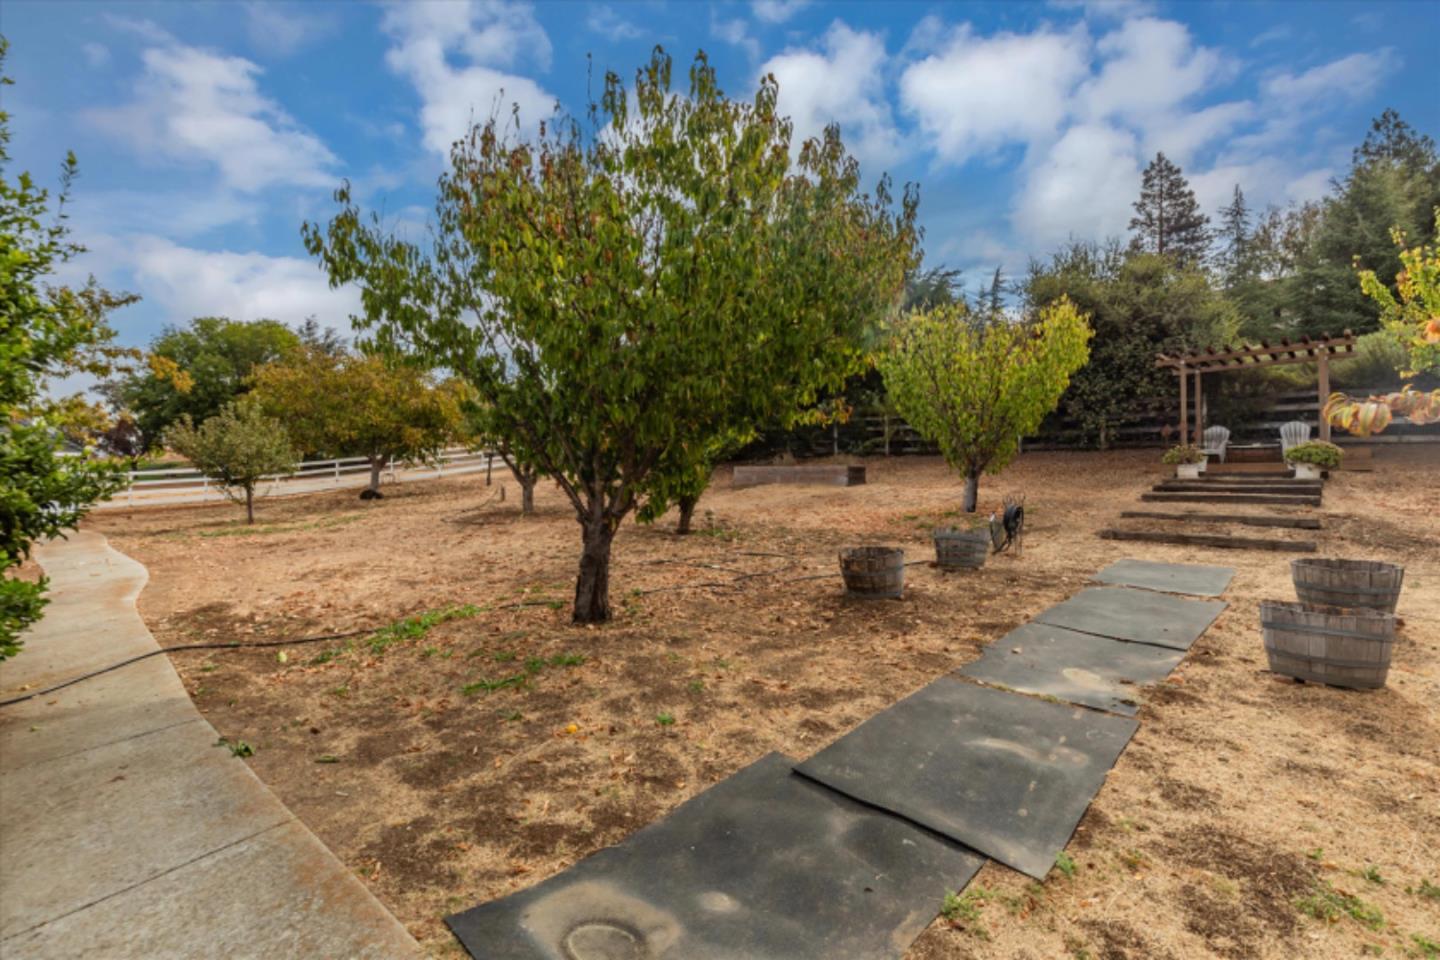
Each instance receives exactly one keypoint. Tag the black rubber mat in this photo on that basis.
(1143, 616)
(1196, 579)
(1006, 774)
(1095, 671)
(763, 866)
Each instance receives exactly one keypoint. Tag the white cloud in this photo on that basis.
(1289, 100)
(1106, 9)
(843, 82)
(193, 106)
(1354, 77)
(605, 21)
(1265, 181)
(491, 37)
(1081, 187)
(1180, 135)
(281, 29)
(736, 32)
(173, 213)
(978, 93)
(777, 11)
(96, 54)
(1150, 68)
(188, 282)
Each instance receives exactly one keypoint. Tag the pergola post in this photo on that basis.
(1184, 409)
(1324, 363)
(1199, 411)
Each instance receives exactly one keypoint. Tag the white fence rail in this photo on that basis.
(187, 485)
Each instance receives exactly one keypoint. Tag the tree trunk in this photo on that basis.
(489, 465)
(687, 511)
(592, 587)
(527, 492)
(250, 504)
(376, 465)
(972, 491)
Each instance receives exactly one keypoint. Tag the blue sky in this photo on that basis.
(207, 132)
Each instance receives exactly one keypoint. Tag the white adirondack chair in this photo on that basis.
(1214, 441)
(1293, 434)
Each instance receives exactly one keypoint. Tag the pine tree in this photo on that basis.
(1391, 138)
(1235, 262)
(1167, 217)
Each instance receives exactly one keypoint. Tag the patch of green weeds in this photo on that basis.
(341, 691)
(1077, 948)
(490, 686)
(429, 652)
(1328, 904)
(237, 748)
(665, 719)
(1066, 865)
(505, 656)
(963, 910)
(697, 685)
(1317, 854)
(1426, 889)
(1135, 860)
(325, 656)
(413, 628)
(327, 758)
(533, 667)
(209, 667)
(1424, 947)
(1372, 873)
(514, 716)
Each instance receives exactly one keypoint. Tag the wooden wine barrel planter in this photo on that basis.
(961, 549)
(873, 572)
(1344, 647)
(1348, 583)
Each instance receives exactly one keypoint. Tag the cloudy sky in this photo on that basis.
(207, 132)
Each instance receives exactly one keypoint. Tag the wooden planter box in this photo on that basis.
(961, 549)
(1370, 584)
(827, 474)
(873, 573)
(1344, 647)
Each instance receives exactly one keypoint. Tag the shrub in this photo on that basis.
(1318, 452)
(1184, 453)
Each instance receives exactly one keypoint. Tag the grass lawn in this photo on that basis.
(483, 743)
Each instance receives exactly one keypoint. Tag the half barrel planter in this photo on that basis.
(961, 549)
(873, 573)
(1340, 646)
(1369, 584)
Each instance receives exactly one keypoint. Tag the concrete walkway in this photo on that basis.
(124, 830)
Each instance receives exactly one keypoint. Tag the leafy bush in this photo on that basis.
(237, 448)
(1184, 453)
(1318, 452)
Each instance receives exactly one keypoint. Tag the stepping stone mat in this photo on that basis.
(1078, 667)
(1142, 616)
(1006, 774)
(1196, 579)
(763, 866)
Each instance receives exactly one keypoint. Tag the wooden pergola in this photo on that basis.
(1226, 358)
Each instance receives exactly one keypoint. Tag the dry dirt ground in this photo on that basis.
(504, 744)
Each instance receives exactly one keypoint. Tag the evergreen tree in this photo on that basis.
(1393, 140)
(1234, 259)
(1167, 217)
(1394, 182)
